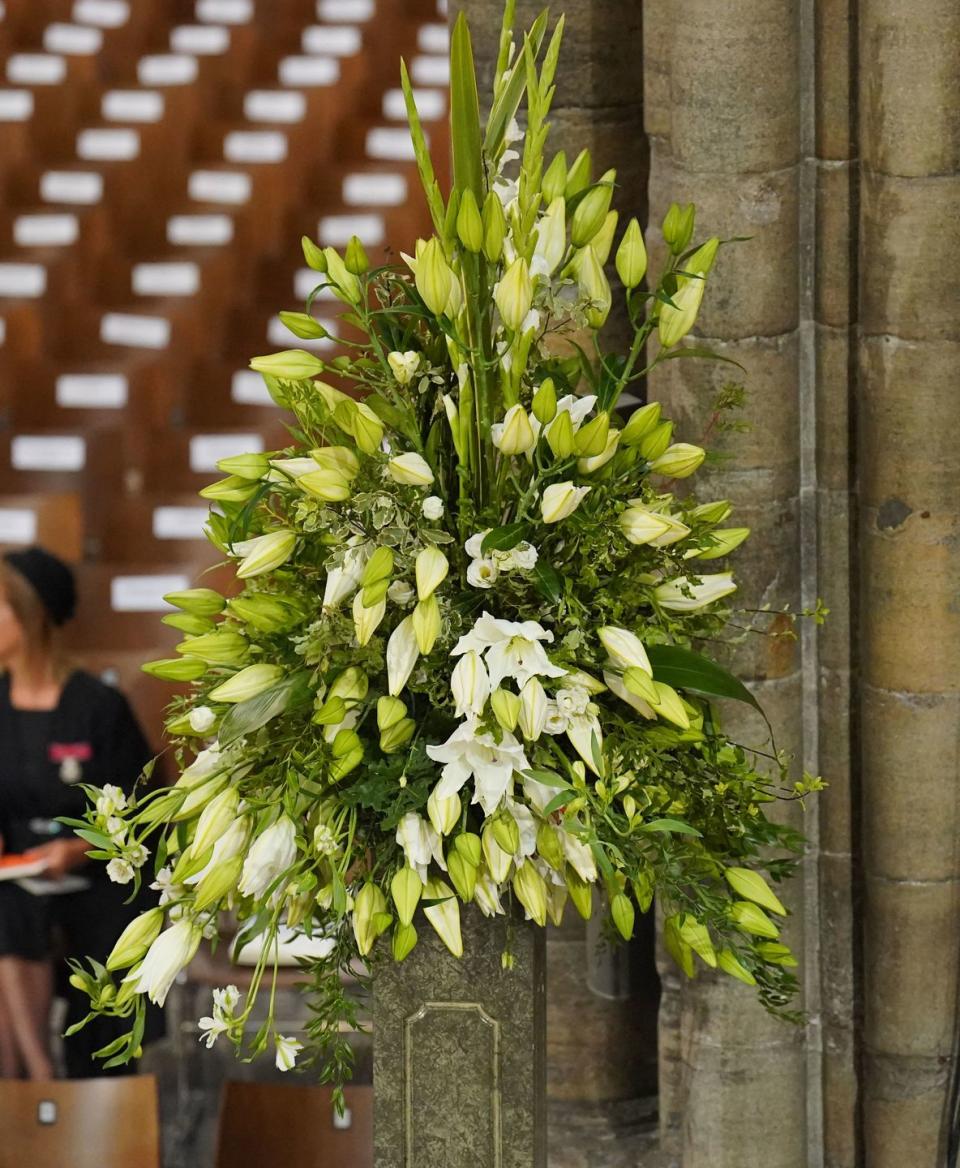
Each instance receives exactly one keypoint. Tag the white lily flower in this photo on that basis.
(625, 649)
(533, 709)
(287, 1051)
(512, 649)
(345, 580)
(471, 752)
(470, 684)
(560, 500)
(420, 842)
(514, 435)
(524, 556)
(482, 573)
(411, 469)
(680, 595)
(527, 826)
(270, 855)
(487, 894)
(201, 719)
(402, 654)
(172, 951)
(366, 620)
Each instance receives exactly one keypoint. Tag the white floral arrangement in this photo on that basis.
(460, 667)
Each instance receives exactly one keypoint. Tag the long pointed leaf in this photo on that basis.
(684, 669)
(506, 39)
(465, 113)
(421, 151)
(508, 102)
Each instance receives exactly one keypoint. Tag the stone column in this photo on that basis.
(724, 123)
(910, 545)
(835, 315)
(458, 1057)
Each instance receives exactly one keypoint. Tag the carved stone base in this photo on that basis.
(459, 1052)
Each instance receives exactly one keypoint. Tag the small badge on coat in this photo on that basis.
(70, 756)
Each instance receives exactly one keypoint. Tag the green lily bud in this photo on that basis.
(247, 683)
(361, 423)
(176, 668)
(678, 319)
(219, 648)
(702, 259)
(749, 918)
(591, 439)
(654, 443)
(265, 552)
(463, 875)
(351, 684)
(444, 917)
(313, 255)
(403, 940)
(390, 711)
(776, 953)
(494, 227)
(330, 713)
(641, 684)
(377, 570)
(467, 843)
(554, 181)
(602, 242)
(548, 845)
(725, 540)
(245, 466)
(190, 863)
(640, 423)
(431, 570)
(214, 885)
(592, 210)
(186, 622)
(433, 277)
(697, 936)
(506, 708)
(752, 886)
(397, 736)
(622, 913)
(443, 811)
(631, 257)
(347, 751)
(218, 815)
(290, 365)
(595, 287)
(514, 294)
(367, 618)
(233, 489)
(369, 909)
(678, 226)
(727, 960)
(545, 402)
(581, 893)
(560, 435)
(506, 832)
(83, 982)
(579, 175)
(469, 222)
(346, 286)
(715, 512)
(679, 461)
(426, 623)
(531, 891)
(303, 325)
(669, 706)
(265, 613)
(678, 949)
(498, 861)
(406, 888)
(355, 258)
(339, 458)
(200, 601)
(135, 940)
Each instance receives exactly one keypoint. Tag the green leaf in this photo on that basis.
(684, 669)
(557, 802)
(399, 420)
(422, 153)
(97, 838)
(508, 102)
(548, 779)
(245, 717)
(669, 825)
(705, 354)
(465, 113)
(548, 580)
(502, 539)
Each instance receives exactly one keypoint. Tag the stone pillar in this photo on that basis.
(836, 193)
(724, 124)
(910, 546)
(458, 1063)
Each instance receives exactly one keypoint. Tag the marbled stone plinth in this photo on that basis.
(459, 1052)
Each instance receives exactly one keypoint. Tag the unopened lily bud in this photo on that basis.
(551, 239)
(641, 526)
(624, 648)
(463, 875)
(533, 709)
(352, 684)
(83, 982)
(406, 888)
(622, 914)
(217, 883)
(579, 175)
(631, 257)
(410, 469)
(725, 541)
(135, 940)
(397, 736)
(402, 942)
(378, 567)
(514, 435)
(548, 845)
(426, 623)
(678, 226)
(641, 684)
(595, 287)
(367, 618)
(355, 258)
(431, 570)
(346, 286)
(444, 812)
(245, 466)
(361, 423)
(514, 294)
(602, 242)
(560, 435)
(697, 936)
(470, 684)
(327, 485)
(506, 708)
(545, 402)
(266, 552)
(591, 439)
(554, 181)
(218, 815)
(201, 601)
(404, 365)
(681, 595)
(592, 210)
(560, 500)
(640, 423)
(715, 512)
(531, 891)
(247, 683)
(669, 705)
(176, 668)
(312, 254)
(402, 654)
(290, 365)
(369, 908)
(679, 461)
(506, 832)
(469, 222)
(752, 886)
(467, 843)
(219, 648)
(498, 860)
(728, 962)
(330, 713)
(390, 711)
(444, 917)
(303, 325)
(678, 318)
(750, 918)
(776, 953)
(703, 258)
(654, 443)
(265, 613)
(347, 752)
(588, 466)
(434, 279)
(494, 227)
(232, 489)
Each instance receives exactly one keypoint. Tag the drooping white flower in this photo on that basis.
(287, 1051)
(470, 684)
(432, 507)
(472, 752)
(270, 855)
(579, 856)
(680, 595)
(211, 1029)
(482, 573)
(584, 731)
(511, 649)
(172, 951)
(420, 843)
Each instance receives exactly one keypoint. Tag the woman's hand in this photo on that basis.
(61, 856)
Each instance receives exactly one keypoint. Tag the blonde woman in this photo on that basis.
(59, 728)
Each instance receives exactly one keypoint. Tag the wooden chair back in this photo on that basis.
(275, 1125)
(83, 1123)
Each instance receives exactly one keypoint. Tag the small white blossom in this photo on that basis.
(400, 592)
(324, 841)
(287, 1051)
(110, 800)
(120, 871)
(116, 829)
(202, 719)
(165, 886)
(432, 507)
(211, 1029)
(420, 843)
(482, 573)
(474, 545)
(137, 855)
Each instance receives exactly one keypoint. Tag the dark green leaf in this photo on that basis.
(502, 539)
(557, 802)
(465, 113)
(670, 825)
(548, 580)
(245, 717)
(684, 669)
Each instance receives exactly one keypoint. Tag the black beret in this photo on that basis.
(50, 578)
